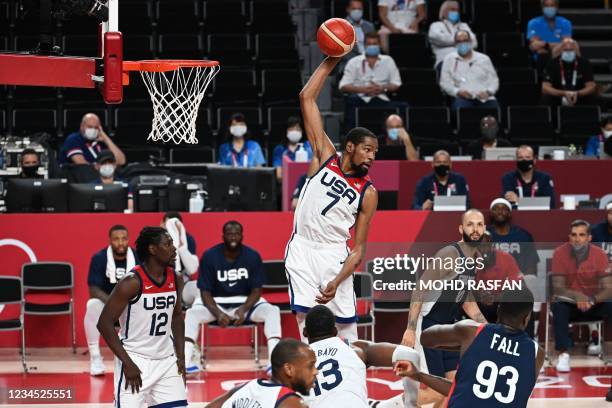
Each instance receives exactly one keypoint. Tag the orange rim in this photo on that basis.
(166, 65)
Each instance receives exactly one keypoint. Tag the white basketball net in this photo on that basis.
(176, 97)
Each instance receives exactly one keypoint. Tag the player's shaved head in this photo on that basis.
(515, 307)
(320, 323)
(117, 227)
(471, 214)
(232, 223)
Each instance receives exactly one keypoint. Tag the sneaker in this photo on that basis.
(563, 363)
(196, 358)
(96, 366)
(609, 396)
(594, 349)
(194, 369)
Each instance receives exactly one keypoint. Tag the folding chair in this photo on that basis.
(11, 292)
(49, 290)
(276, 285)
(213, 325)
(365, 302)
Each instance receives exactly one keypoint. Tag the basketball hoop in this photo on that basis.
(177, 88)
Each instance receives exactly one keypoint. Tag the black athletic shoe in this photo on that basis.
(609, 396)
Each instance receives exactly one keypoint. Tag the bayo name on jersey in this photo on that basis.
(159, 302)
(338, 186)
(233, 274)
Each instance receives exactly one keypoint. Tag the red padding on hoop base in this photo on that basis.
(112, 88)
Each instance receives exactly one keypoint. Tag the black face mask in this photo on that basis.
(29, 171)
(442, 170)
(470, 241)
(489, 134)
(607, 147)
(524, 165)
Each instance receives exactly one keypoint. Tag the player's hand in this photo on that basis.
(511, 196)
(427, 204)
(180, 363)
(240, 314)
(102, 136)
(405, 368)
(223, 320)
(584, 306)
(465, 94)
(328, 293)
(131, 372)
(409, 338)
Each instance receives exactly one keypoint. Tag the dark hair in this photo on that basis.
(357, 135)
(238, 117)
(580, 223)
(320, 322)
(116, 227)
(148, 236)
(293, 121)
(348, 3)
(232, 222)
(286, 351)
(516, 304)
(605, 121)
(172, 214)
(29, 151)
(372, 34)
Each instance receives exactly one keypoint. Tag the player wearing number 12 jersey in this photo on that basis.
(337, 195)
(499, 362)
(150, 362)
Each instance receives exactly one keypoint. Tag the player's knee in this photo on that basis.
(94, 303)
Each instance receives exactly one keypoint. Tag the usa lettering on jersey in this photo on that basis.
(338, 186)
(232, 274)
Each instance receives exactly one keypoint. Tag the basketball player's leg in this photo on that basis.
(197, 315)
(191, 292)
(168, 389)
(269, 315)
(343, 305)
(124, 397)
(92, 314)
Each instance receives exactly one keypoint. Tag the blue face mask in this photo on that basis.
(356, 14)
(393, 133)
(464, 48)
(372, 51)
(568, 56)
(549, 12)
(453, 17)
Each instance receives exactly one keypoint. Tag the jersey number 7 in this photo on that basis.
(335, 200)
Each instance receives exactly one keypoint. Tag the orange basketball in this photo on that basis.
(336, 37)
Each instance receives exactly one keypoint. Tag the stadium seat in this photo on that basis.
(140, 15)
(421, 95)
(517, 76)
(500, 40)
(142, 154)
(72, 118)
(277, 122)
(80, 45)
(364, 296)
(35, 96)
(203, 154)
(510, 57)
(232, 49)
(410, 51)
(133, 124)
(280, 87)
(11, 294)
(431, 122)
(270, 16)
(578, 123)
(276, 51)
(492, 16)
(418, 76)
(225, 16)
(35, 120)
(138, 47)
(178, 16)
(373, 117)
(518, 94)
(181, 46)
(530, 125)
(276, 285)
(3, 122)
(468, 121)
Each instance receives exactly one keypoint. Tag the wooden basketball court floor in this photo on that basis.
(57, 368)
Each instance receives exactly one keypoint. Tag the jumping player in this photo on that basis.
(499, 362)
(337, 195)
(341, 380)
(149, 363)
(293, 371)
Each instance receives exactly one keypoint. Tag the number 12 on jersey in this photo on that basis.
(158, 322)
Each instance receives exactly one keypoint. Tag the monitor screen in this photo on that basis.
(161, 198)
(241, 189)
(36, 195)
(86, 197)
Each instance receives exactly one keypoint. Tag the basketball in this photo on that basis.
(336, 37)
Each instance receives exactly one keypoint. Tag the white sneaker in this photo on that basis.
(563, 363)
(96, 366)
(594, 349)
(196, 358)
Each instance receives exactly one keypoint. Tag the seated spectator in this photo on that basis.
(83, 147)
(354, 15)
(30, 163)
(512, 239)
(298, 189)
(581, 282)
(290, 146)
(106, 165)
(468, 76)
(602, 232)
(568, 78)
(489, 131)
(397, 135)
(546, 32)
(399, 16)
(239, 151)
(230, 281)
(441, 182)
(367, 79)
(596, 142)
(186, 263)
(526, 181)
(442, 33)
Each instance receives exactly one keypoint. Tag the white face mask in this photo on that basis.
(607, 133)
(107, 170)
(91, 134)
(294, 136)
(238, 130)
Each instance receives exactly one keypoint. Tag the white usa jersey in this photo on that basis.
(259, 394)
(147, 320)
(329, 203)
(341, 381)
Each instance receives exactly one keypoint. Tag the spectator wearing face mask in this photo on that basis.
(597, 142)
(399, 17)
(240, 151)
(83, 147)
(354, 15)
(581, 281)
(106, 165)
(526, 181)
(367, 80)
(396, 135)
(545, 32)
(468, 76)
(442, 33)
(441, 182)
(291, 148)
(30, 162)
(568, 78)
(489, 131)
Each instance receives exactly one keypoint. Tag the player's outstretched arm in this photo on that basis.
(322, 147)
(362, 226)
(450, 336)
(126, 289)
(375, 354)
(218, 402)
(470, 307)
(408, 369)
(540, 358)
(178, 328)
